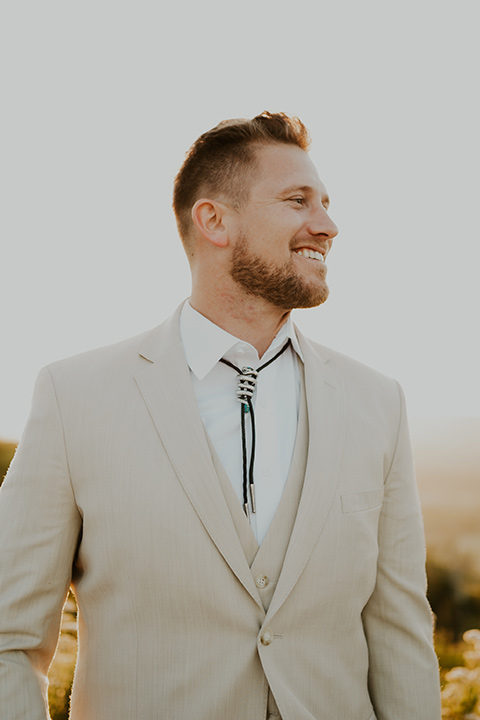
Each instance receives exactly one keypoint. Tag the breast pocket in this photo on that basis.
(360, 501)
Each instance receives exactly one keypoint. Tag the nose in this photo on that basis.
(321, 224)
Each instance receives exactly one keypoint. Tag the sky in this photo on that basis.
(101, 100)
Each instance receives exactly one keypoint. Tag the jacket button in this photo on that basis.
(261, 581)
(267, 637)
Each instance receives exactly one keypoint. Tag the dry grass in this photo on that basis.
(63, 665)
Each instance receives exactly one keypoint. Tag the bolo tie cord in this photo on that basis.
(247, 380)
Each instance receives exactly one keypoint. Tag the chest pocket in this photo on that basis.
(359, 501)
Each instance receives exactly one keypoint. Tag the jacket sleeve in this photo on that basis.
(403, 675)
(39, 530)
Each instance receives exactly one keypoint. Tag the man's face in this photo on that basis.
(283, 231)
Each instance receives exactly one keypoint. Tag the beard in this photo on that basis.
(282, 285)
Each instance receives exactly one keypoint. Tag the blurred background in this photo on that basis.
(100, 101)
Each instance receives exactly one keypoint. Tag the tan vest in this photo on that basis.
(266, 560)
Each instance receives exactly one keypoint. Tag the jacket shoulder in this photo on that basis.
(124, 355)
(350, 369)
(108, 355)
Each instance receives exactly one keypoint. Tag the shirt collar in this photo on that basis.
(205, 343)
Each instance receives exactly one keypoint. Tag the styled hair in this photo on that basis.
(222, 162)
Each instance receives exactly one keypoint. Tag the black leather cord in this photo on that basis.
(246, 388)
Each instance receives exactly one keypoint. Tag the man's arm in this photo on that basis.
(403, 677)
(39, 529)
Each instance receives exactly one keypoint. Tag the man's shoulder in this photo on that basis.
(124, 355)
(373, 400)
(345, 364)
(100, 356)
(357, 378)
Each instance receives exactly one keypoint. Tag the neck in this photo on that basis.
(250, 320)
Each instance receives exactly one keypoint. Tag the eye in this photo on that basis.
(299, 200)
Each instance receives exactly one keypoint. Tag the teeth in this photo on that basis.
(311, 254)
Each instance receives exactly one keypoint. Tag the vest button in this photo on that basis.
(267, 637)
(261, 581)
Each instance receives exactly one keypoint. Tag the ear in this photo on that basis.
(209, 218)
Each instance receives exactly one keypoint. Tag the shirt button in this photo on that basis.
(267, 637)
(261, 581)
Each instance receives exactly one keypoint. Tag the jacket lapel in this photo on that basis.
(168, 393)
(327, 427)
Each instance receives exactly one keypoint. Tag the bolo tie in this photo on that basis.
(246, 383)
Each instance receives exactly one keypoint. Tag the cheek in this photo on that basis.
(271, 232)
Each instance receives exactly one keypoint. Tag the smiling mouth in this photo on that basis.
(311, 254)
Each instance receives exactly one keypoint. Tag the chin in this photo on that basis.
(296, 296)
(313, 299)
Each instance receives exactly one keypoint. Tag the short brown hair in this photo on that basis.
(221, 162)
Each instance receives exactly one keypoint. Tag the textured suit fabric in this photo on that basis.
(114, 488)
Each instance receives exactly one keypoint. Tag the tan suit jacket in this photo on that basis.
(114, 489)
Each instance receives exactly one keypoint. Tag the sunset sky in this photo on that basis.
(100, 101)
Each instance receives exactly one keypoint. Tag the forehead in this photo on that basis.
(283, 167)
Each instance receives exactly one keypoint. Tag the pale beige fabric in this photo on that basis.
(114, 478)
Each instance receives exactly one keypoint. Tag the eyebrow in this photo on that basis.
(308, 189)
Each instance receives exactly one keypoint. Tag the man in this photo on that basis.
(240, 560)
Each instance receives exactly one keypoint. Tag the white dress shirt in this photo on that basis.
(276, 402)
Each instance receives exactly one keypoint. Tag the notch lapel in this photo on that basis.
(327, 427)
(168, 393)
